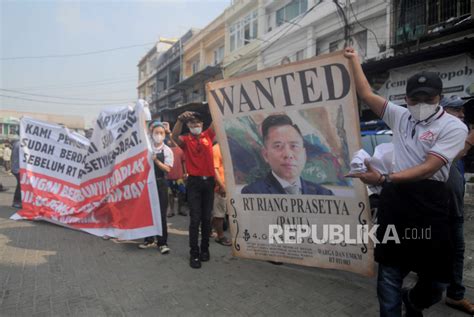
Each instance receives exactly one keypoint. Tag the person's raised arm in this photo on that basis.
(375, 102)
(211, 127)
(178, 127)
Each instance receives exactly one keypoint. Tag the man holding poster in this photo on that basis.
(414, 197)
(289, 126)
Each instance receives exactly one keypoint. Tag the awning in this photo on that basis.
(447, 49)
(456, 73)
(199, 77)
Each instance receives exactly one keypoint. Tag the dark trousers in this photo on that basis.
(389, 291)
(200, 200)
(456, 288)
(162, 186)
(17, 195)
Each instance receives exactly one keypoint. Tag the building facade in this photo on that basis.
(147, 69)
(428, 35)
(202, 59)
(168, 73)
(253, 35)
(9, 128)
(244, 21)
(300, 29)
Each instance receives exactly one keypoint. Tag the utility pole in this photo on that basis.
(346, 22)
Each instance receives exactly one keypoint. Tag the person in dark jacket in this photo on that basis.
(284, 151)
(16, 172)
(455, 185)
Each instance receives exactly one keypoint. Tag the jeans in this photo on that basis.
(389, 291)
(456, 289)
(200, 200)
(162, 186)
(17, 195)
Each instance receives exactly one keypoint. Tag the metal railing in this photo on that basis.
(414, 19)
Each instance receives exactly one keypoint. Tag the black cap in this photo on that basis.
(424, 82)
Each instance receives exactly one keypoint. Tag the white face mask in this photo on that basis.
(158, 138)
(422, 111)
(195, 131)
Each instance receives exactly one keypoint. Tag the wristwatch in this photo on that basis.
(387, 178)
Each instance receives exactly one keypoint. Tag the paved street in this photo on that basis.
(47, 270)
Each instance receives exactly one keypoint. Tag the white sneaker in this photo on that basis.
(164, 249)
(147, 245)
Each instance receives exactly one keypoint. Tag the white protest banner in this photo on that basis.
(104, 186)
(287, 134)
(456, 72)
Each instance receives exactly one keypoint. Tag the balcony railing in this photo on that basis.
(414, 19)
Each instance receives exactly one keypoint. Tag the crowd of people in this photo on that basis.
(189, 171)
(424, 190)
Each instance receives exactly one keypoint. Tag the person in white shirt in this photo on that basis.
(7, 156)
(163, 161)
(413, 200)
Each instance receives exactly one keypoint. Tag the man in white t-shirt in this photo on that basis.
(413, 199)
(7, 156)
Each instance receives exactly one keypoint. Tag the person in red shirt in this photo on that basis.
(197, 149)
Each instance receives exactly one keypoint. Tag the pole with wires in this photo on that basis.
(346, 22)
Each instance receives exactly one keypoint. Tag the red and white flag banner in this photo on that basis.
(104, 186)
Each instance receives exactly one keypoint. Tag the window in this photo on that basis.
(415, 18)
(333, 46)
(142, 71)
(195, 67)
(361, 42)
(291, 11)
(243, 31)
(218, 55)
(300, 55)
(13, 129)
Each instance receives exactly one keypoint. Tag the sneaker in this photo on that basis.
(195, 263)
(410, 311)
(164, 249)
(147, 245)
(169, 215)
(204, 256)
(463, 305)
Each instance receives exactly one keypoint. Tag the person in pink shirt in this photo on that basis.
(176, 178)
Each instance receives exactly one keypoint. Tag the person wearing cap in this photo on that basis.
(197, 148)
(455, 185)
(163, 161)
(413, 200)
